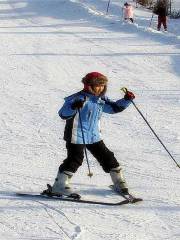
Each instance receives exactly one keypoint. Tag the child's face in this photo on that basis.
(97, 89)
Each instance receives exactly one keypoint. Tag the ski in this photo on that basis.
(48, 192)
(127, 196)
(39, 196)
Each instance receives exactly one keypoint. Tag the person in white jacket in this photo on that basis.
(128, 12)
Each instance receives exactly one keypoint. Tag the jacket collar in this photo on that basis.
(90, 95)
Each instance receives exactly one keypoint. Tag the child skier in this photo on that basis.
(128, 12)
(88, 104)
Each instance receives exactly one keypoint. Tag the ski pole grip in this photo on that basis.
(124, 89)
(90, 174)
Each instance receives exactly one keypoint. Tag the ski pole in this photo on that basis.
(90, 174)
(122, 14)
(151, 19)
(125, 90)
(108, 7)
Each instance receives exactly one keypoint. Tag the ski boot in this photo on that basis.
(61, 186)
(118, 180)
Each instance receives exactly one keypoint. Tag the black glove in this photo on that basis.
(77, 104)
(129, 96)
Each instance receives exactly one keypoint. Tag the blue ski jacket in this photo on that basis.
(90, 114)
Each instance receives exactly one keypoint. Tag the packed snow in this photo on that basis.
(47, 46)
(175, 4)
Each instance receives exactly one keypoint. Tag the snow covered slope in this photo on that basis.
(176, 4)
(47, 46)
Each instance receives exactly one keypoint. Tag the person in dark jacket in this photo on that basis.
(161, 9)
(82, 112)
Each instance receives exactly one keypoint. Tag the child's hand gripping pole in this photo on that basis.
(128, 95)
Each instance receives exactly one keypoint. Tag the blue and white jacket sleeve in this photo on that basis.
(115, 106)
(66, 111)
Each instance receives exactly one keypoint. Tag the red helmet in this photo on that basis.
(95, 78)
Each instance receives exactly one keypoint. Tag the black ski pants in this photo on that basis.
(75, 155)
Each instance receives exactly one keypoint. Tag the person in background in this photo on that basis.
(128, 12)
(161, 9)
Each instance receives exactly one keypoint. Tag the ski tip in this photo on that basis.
(135, 200)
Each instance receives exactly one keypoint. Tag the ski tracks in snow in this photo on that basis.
(47, 221)
(77, 229)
